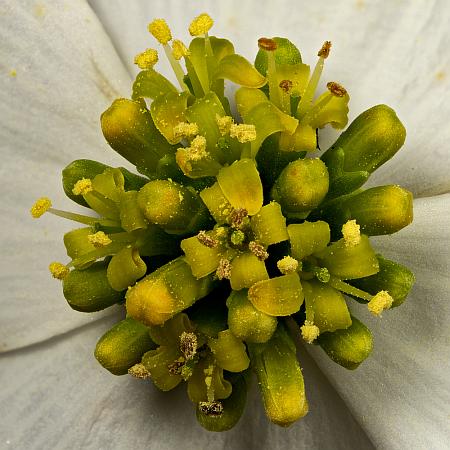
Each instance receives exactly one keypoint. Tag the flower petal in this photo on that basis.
(68, 401)
(59, 72)
(401, 392)
(394, 53)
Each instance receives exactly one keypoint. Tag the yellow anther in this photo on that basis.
(147, 59)
(310, 332)
(179, 50)
(243, 132)
(201, 25)
(380, 302)
(58, 270)
(198, 148)
(139, 371)
(41, 206)
(82, 186)
(351, 233)
(160, 31)
(325, 50)
(224, 123)
(184, 129)
(99, 239)
(336, 89)
(287, 265)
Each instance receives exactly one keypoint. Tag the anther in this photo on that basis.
(380, 302)
(214, 408)
(310, 332)
(258, 250)
(267, 44)
(286, 85)
(324, 52)
(206, 240)
(336, 89)
(58, 270)
(223, 270)
(99, 239)
(139, 371)
(243, 132)
(351, 233)
(237, 217)
(188, 345)
(147, 59)
(201, 25)
(82, 186)
(179, 50)
(185, 130)
(176, 367)
(41, 206)
(160, 31)
(224, 123)
(287, 265)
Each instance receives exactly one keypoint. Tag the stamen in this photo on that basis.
(287, 265)
(324, 52)
(243, 132)
(201, 25)
(286, 85)
(340, 285)
(41, 206)
(188, 345)
(380, 302)
(206, 240)
(336, 89)
(58, 270)
(179, 50)
(224, 123)
(208, 381)
(237, 217)
(99, 239)
(214, 408)
(185, 130)
(160, 31)
(176, 367)
(82, 186)
(258, 250)
(139, 371)
(351, 233)
(310, 332)
(147, 59)
(223, 270)
(267, 44)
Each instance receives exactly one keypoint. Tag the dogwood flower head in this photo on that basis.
(229, 233)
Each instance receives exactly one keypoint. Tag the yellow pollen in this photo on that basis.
(380, 302)
(147, 59)
(243, 132)
(139, 371)
(351, 233)
(325, 50)
(184, 129)
(224, 123)
(58, 270)
(310, 332)
(179, 50)
(82, 186)
(99, 239)
(287, 265)
(201, 25)
(336, 89)
(198, 148)
(160, 31)
(267, 44)
(41, 206)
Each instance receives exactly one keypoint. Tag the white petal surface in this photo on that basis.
(401, 394)
(59, 397)
(58, 72)
(384, 52)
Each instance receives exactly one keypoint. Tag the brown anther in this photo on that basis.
(223, 270)
(213, 408)
(258, 250)
(188, 344)
(267, 44)
(139, 371)
(176, 367)
(206, 240)
(336, 89)
(325, 50)
(286, 85)
(237, 216)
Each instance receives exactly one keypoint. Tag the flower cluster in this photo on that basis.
(234, 238)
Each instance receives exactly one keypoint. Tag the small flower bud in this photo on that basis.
(123, 346)
(301, 187)
(349, 347)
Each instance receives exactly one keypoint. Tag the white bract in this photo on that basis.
(62, 64)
